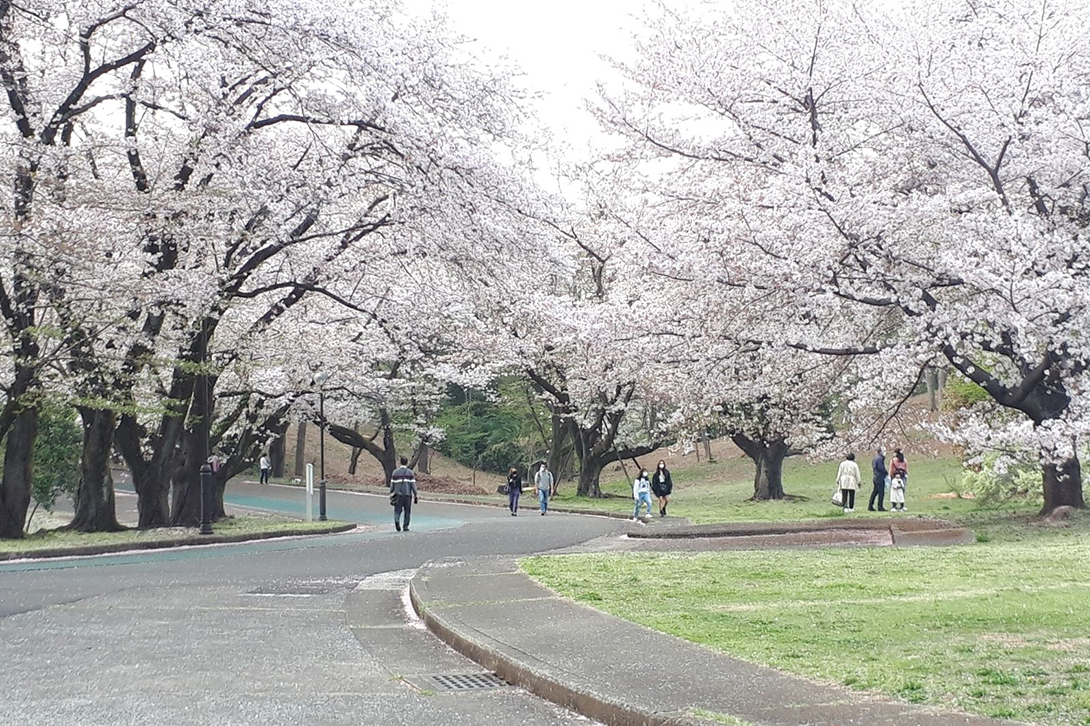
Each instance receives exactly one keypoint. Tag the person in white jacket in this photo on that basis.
(265, 467)
(848, 479)
(641, 493)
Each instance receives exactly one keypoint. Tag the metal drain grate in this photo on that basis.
(459, 682)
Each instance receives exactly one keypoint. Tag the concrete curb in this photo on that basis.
(159, 544)
(521, 670)
(940, 537)
(918, 531)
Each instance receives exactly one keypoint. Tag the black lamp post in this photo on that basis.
(320, 378)
(207, 495)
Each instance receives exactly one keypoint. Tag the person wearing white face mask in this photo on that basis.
(641, 493)
(543, 479)
(662, 485)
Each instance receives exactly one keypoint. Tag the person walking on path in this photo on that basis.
(848, 479)
(543, 480)
(662, 485)
(403, 494)
(878, 467)
(899, 466)
(265, 467)
(514, 490)
(641, 493)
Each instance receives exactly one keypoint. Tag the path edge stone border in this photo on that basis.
(161, 544)
(907, 532)
(524, 675)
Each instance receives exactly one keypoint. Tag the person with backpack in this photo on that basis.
(403, 494)
(641, 493)
(662, 485)
(543, 480)
(514, 490)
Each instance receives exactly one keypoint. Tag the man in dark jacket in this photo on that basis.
(514, 491)
(878, 467)
(403, 493)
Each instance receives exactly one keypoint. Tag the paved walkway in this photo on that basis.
(624, 674)
(289, 632)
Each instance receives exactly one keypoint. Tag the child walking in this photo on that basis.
(641, 493)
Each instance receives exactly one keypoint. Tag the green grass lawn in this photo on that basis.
(249, 525)
(1000, 628)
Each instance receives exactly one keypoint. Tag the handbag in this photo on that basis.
(838, 497)
(393, 499)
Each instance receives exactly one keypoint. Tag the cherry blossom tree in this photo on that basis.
(907, 182)
(249, 156)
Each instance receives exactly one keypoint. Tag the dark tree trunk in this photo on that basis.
(354, 455)
(421, 461)
(301, 450)
(590, 474)
(386, 455)
(152, 476)
(354, 461)
(768, 457)
(95, 508)
(185, 509)
(18, 465)
(559, 447)
(1063, 485)
(931, 380)
(276, 456)
(149, 478)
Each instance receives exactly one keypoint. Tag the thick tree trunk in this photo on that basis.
(768, 481)
(152, 497)
(95, 509)
(276, 456)
(185, 508)
(18, 465)
(1063, 485)
(931, 378)
(590, 474)
(152, 476)
(301, 450)
(768, 457)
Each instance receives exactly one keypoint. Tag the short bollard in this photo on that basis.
(207, 501)
(321, 501)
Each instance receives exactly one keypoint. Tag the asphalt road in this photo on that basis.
(260, 633)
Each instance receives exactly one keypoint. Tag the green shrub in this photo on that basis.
(962, 393)
(56, 455)
(1000, 480)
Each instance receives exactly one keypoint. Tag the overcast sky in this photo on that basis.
(556, 44)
